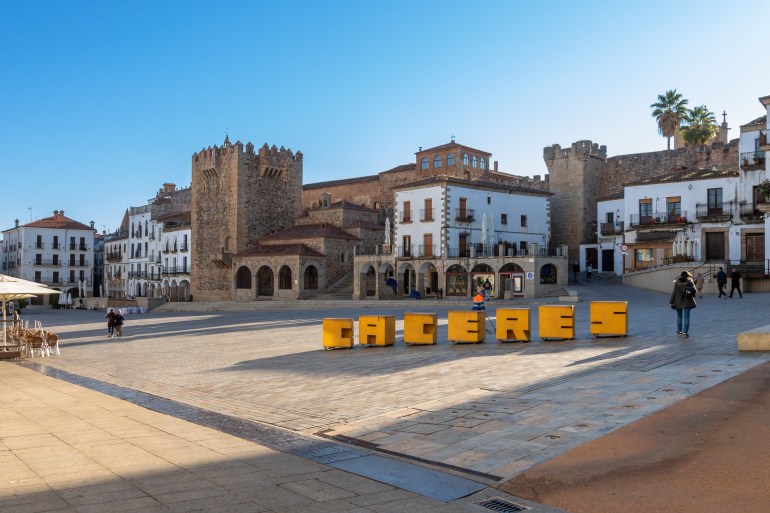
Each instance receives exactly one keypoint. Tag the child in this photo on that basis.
(118, 320)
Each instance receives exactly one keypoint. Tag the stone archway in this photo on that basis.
(427, 279)
(548, 275)
(511, 277)
(406, 277)
(479, 274)
(265, 281)
(457, 281)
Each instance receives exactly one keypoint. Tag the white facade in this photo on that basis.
(608, 257)
(55, 251)
(446, 218)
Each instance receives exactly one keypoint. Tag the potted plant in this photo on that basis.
(764, 188)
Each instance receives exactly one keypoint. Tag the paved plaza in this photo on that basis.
(481, 413)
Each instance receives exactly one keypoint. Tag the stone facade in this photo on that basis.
(581, 174)
(239, 195)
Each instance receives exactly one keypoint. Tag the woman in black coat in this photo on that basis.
(683, 302)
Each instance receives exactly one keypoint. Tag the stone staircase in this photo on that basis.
(343, 289)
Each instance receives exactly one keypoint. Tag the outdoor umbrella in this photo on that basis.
(15, 288)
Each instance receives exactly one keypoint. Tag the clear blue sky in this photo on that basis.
(102, 102)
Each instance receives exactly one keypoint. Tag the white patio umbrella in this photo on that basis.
(484, 231)
(491, 230)
(15, 288)
(387, 230)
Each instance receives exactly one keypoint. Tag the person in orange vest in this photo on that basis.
(478, 300)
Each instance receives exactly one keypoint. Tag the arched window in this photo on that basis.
(450, 159)
(284, 278)
(475, 161)
(243, 278)
(311, 278)
(424, 163)
(437, 161)
(483, 163)
(465, 159)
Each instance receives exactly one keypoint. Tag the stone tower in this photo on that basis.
(238, 196)
(575, 176)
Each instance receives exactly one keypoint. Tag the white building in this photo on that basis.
(56, 251)
(451, 234)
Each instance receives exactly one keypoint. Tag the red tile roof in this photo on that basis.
(310, 231)
(280, 250)
(58, 220)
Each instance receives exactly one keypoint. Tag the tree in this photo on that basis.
(668, 111)
(698, 126)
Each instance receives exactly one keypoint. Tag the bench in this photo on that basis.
(757, 339)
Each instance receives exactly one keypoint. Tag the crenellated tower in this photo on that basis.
(575, 176)
(238, 196)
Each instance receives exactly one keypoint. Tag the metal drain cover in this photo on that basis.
(500, 505)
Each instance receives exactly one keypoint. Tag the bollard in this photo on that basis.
(609, 318)
(420, 328)
(337, 333)
(377, 330)
(557, 322)
(512, 324)
(467, 326)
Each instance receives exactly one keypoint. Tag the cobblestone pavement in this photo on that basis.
(491, 409)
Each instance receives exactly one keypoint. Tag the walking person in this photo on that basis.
(735, 282)
(589, 272)
(16, 317)
(487, 289)
(683, 300)
(721, 282)
(110, 323)
(118, 320)
(699, 285)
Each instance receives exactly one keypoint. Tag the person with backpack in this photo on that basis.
(683, 300)
(118, 321)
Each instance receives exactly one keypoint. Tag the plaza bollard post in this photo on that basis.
(609, 318)
(467, 327)
(377, 330)
(556, 322)
(337, 333)
(420, 328)
(513, 324)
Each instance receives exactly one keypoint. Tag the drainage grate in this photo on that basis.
(500, 505)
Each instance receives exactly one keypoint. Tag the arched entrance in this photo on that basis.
(427, 279)
(243, 278)
(548, 274)
(407, 279)
(511, 281)
(481, 273)
(369, 281)
(310, 278)
(457, 281)
(265, 281)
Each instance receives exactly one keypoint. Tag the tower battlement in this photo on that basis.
(579, 149)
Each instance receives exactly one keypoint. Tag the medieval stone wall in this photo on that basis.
(360, 192)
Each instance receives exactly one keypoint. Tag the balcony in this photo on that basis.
(47, 263)
(404, 252)
(750, 213)
(428, 251)
(39, 245)
(607, 229)
(183, 247)
(114, 256)
(714, 213)
(176, 271)
(464, 215)
(56, 245)
(426, 214)
(406, 217)
(79, 263)
(82, 247)
(753, 160)
(658, 219)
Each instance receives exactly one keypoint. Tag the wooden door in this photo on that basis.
(755, 247)
(715, 246)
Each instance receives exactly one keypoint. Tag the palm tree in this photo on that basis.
(668, 111)
(698, 126)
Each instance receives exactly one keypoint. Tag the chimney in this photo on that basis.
(55, 213)
(92, 225)
(61, 213)
(495, 166)
(17, 223)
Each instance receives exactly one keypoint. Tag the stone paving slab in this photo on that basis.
(179, 467)
(492, 409)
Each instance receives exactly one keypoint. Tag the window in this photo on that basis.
(343, 258)
(437, 161)
(55, 260)
(503, 218)
(82, 260)
(489, 200)
(465, 159)
(450, 159)
(523, 221)
(428, 214)
(38, 259)
(475, 161)
(406, 215)
(55, 242)
(38, 277)
(72, 260)
(674, 210)
(56, 276)
(424, 163)
(610, 217)
(645, 211)
(39, 241)
(714, 201)
(482, 163)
